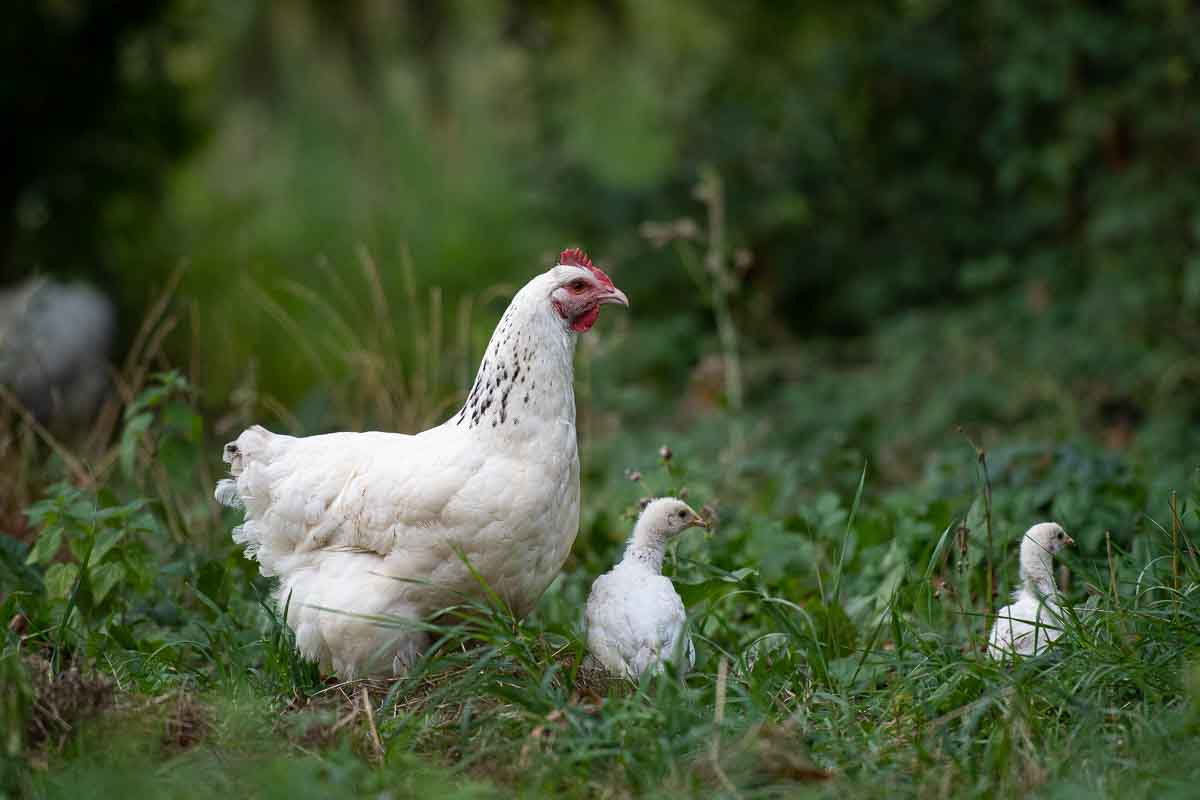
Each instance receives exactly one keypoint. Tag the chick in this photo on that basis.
(635, 618)
(1031, 622)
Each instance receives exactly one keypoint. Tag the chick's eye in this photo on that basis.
(1060, 536)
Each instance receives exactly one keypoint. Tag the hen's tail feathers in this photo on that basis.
(228, 493)
(252, 439)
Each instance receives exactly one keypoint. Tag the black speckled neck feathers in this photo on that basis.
(527, 373)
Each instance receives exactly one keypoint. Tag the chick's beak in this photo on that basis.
(1070, 541)
(700, 522)
(613, 295)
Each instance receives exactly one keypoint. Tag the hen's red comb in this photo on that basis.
(575, 257)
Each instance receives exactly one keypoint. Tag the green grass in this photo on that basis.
(839, 634)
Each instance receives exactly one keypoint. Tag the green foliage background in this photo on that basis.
(1011, 178)
(925, 214)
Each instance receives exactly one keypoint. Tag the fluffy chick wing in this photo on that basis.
(635, 623)
(1025, 627)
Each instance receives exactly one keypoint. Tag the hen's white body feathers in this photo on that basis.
(377, 524)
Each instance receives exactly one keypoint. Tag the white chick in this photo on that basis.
(1031, 623)
(635, 618)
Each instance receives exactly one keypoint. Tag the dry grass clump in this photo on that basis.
(186, 723)
(62, 699)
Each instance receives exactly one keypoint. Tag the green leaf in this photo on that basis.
(79, 545)
(79, 508)
(43, 512)
(103, 578)
(134, 429)
(121, 512)
(47, 546)
(144, 522)
(697, 592)
(105, 541)
(60, 579)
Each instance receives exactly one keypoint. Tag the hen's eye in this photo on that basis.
(577, 285)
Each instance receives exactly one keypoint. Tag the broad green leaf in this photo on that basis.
(79, 507)
(120, 512)
(47, 546)
(106, 539)
(103, 578)
(143, 521)
(43, 512)
(697, 592)
(79, 544)
(60, 579)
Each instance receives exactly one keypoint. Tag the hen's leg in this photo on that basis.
(407, 650)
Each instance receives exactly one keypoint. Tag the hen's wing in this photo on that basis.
(358, 491)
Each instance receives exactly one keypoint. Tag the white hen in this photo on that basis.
(359, 525)
(634, 617)
(1032, 621)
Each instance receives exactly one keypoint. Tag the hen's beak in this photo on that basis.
(613, 295)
